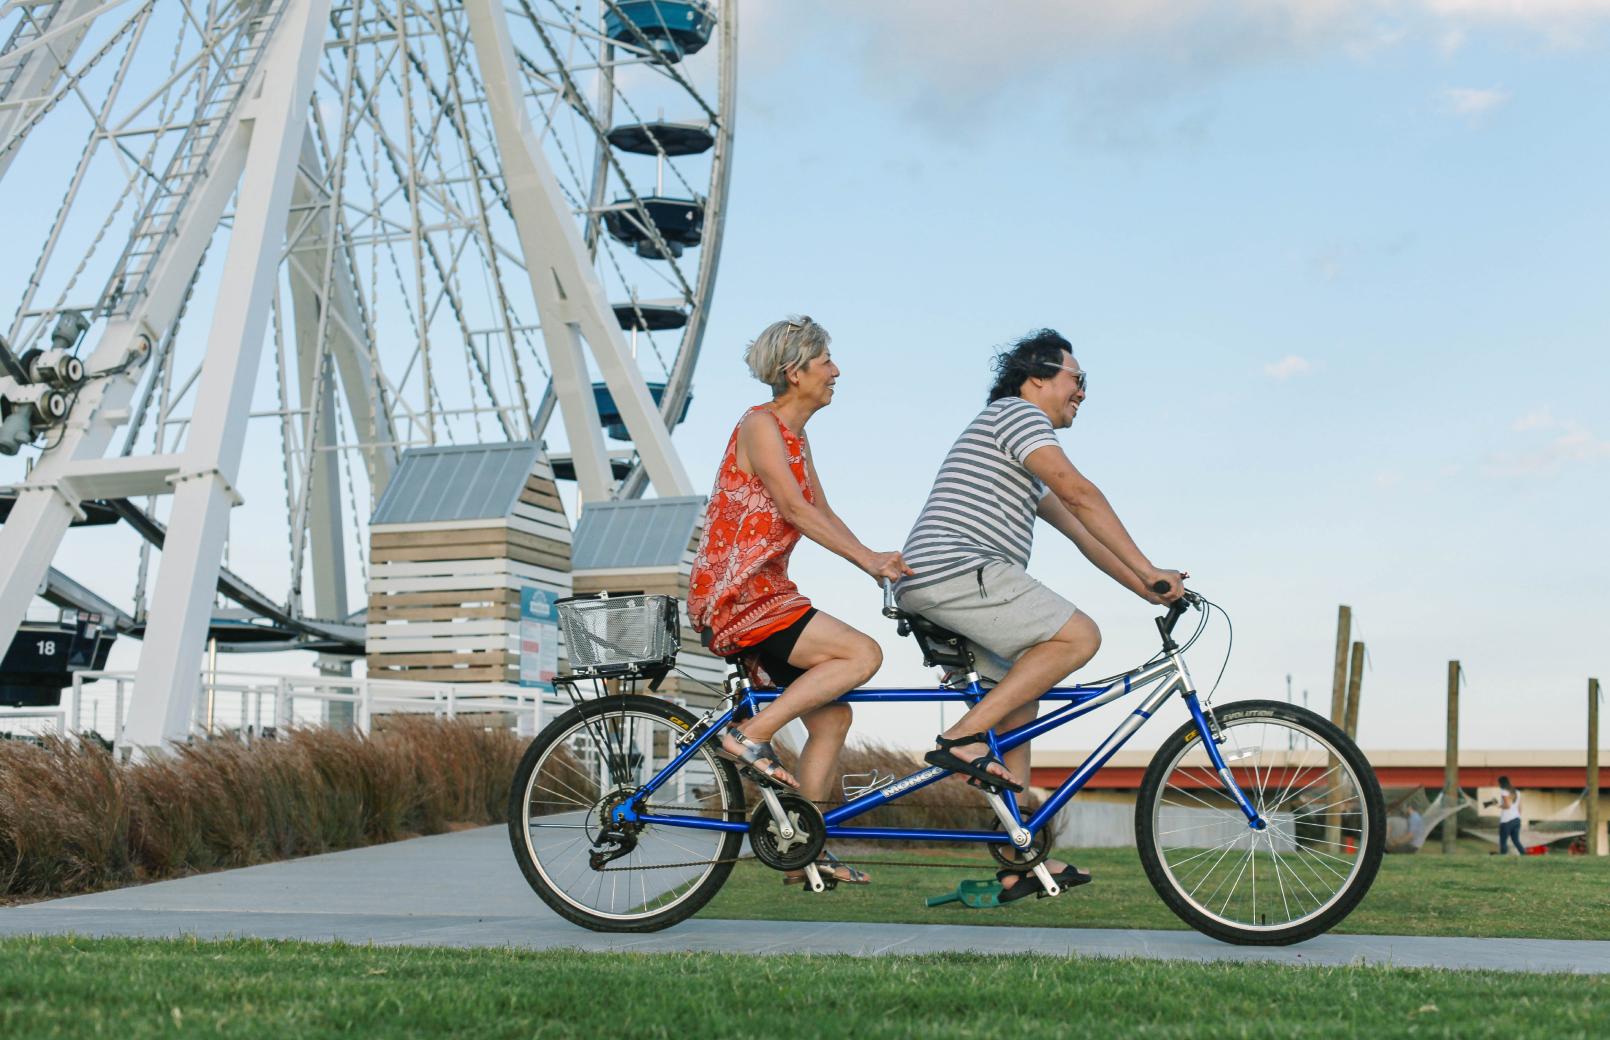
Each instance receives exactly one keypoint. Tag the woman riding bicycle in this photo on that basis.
(766, 495)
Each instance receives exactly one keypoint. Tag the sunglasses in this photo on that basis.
(1084, 377)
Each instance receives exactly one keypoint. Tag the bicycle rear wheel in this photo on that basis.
(1289, 882)
(581, 766)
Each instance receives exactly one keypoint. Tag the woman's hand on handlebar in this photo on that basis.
(889, 566)
(1164, 587)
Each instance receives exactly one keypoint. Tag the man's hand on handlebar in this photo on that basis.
(890, 566)
(1164, 587)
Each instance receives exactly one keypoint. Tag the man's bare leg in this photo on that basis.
(1039, 669)
(1017, 763)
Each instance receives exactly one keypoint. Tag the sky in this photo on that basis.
(1337, 270)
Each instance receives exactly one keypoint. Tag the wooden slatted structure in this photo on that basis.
(647, 546)
(457, 534)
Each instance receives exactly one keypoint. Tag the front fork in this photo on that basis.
(1212, 736)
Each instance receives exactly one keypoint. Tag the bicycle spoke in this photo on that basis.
(1294, 868)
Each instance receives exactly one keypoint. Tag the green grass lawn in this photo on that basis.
(132, 989)
(1550, 897)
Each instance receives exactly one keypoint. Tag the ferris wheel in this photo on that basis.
(260, 247)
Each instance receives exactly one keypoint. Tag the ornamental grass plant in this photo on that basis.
(74, 819)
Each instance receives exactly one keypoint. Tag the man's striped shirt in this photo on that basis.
(983, 502)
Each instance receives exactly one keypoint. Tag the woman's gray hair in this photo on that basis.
(791, 343)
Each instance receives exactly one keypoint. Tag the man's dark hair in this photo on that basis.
(1503, 782)
(1036, 356)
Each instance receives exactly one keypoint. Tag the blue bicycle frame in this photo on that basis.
(1169, 675)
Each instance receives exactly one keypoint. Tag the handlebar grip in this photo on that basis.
(1161, 587)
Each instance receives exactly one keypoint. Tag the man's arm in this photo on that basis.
(1089, 508)
(1053, 512)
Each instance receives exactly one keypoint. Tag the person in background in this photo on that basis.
(1509, 816)
(740, 597)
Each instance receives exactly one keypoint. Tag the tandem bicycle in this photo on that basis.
(1257, 822)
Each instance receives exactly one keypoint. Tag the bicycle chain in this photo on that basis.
(737, 859)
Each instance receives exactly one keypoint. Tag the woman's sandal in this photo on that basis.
(1028, 882)
(829, 866)
(976, 770)
(754, 753)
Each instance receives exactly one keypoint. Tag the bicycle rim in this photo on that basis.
(585, 772)
(1301, 865)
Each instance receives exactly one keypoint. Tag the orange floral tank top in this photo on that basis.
(739, 589)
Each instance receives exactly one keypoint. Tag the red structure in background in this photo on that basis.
(1121, 776)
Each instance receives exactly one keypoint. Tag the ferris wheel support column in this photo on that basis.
(169, 675)
(311, 241)
(568, 293)
(74, 468)
(33, 76)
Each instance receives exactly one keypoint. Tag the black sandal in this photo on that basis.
(976, 770)
(755, 752)
(1029, 883)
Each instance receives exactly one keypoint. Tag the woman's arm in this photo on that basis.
(889, 565)
(761, 445)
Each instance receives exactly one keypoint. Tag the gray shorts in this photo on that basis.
(1000, 609)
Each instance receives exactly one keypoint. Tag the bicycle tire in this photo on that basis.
(1370, 844)
(561, 730)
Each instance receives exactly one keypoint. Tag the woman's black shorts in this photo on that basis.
(775, 649)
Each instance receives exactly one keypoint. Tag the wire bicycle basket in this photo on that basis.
(608, 637)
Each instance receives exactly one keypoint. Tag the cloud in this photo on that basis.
(1564, 23)
(1537, 419)
(1288, 366)
(1472, 102)
(1565, 442)
(1118, 73)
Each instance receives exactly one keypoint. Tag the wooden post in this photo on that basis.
(1338, 713)
(1355, 677)
(1450, 771)
(1338, 686)
(1595, 824)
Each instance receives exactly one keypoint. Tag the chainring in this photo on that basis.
(1013, 858)
(778, 853)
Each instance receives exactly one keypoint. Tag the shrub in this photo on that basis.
(73, 819)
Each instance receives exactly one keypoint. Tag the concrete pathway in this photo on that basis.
(464, 890)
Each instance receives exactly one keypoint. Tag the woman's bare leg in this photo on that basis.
(836, 659)
(826, 727)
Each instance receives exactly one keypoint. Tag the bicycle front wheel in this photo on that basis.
(1300, 875)
(584, 764)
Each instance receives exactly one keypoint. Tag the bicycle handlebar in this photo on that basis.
(889, 609)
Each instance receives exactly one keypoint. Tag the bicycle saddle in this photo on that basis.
(940, 646)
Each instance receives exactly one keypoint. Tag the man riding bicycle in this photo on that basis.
(970, 551)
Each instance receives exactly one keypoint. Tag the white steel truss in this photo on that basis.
(416, 207)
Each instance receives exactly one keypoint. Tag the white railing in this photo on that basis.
(254, 703)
